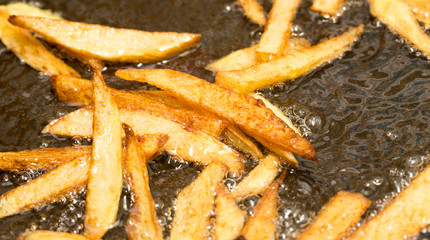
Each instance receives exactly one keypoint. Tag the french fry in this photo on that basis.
(330, 7)
(290, 66)
(277, 30)
(107, 43)
(105, 178)
(229, 217)
(25, 9)
(45, 187)
(191, 146)
(40, 158)
(246, 112)
(335, 219)
(398, 16)
(286, 156)
(237, 138)
(50, 235)
(195, 203)
(142, 222)
(151, 144)
(247, 57)
(259, 179)
(79, 92)
(421, 8)
(254, 11)
(404, 217)
(29, 49)
(261, 225)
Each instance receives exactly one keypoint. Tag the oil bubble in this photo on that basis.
(315, 122)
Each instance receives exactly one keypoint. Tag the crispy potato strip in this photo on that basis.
(45, 187)
(421, 8)
(229, 217)
(254, 11)
(107, 43)
(330, 7)
(40, 158)
(290, 66)
(404, 217)
(105, 178)
(259, 179)
(237, 138)
(191, 146)
(50, 235)
(79, 92)
(25, 9)
(29, 49)
(246, 112)
(337, 217)
(195, 204)
(398, 16)
(277, 30)
(261, 225)
(142, 222)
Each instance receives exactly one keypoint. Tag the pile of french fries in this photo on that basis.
(187, 118)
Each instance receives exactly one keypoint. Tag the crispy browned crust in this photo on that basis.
(335, 219)
(246, 112)
(45, 187)
(142, 222)
(194, 205)
(105, 178)
(40, 158)
(113, 44)
(404, 217)
(50, 235)
(254, 11)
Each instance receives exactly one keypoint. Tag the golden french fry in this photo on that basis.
(195, 203)
(26, 9)
(105, 178)
(277, 30)
(29, 49)
(142, 222)
(50, 235)
(246, 112)
(398, 16)
(290, 66)
(45, 187)
(421, 8)
(261, 225)
(404, 217)
(330, 7)
(107, 43)
(259, 179)
(254, 11)
(79, 92)
(40, 158)
(191, 146)
(237, 138)
(337, 217)
(151, 144)
(284, 155)
(229, 217)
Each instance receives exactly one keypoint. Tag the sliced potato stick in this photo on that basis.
(259, 179)
(50, 235)
(29, 49)
(404, 217)
(261, 225)
(398, 16)
(237, 138)
(40, 158)
(25, 9)
(79, 92)
(195, 204)
(248, 113)
(335, 219)
(330, 7)
(142, 222)
(45, 187)
(254, 11)
(151, 144)
(191, 146)
(229, 217)
(277, 30)
(286, 156)
(107, 43)
(289, 67)
(247, 57)
(421, 8)
(105, 178)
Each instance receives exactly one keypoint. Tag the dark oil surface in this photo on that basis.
(367, 114)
